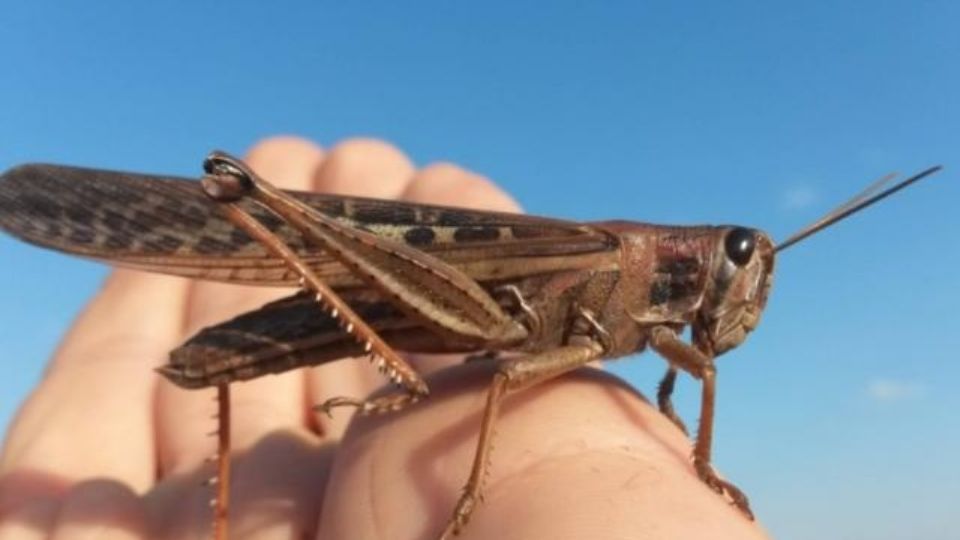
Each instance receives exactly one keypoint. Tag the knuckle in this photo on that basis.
(361, 152)
(362, 166)
(279, 145)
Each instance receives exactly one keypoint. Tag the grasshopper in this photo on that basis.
(377, 277)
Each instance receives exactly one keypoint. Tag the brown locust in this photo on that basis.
(378, 277)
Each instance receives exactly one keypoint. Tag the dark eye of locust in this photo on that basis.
(739, 245)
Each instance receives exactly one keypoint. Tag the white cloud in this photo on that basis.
(797, 197)
(888, 390)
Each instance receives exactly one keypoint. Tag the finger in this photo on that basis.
(31, 520)
(447, 184)
(368, 168)
(91, 415)
(264, 408)
(103, 510)
(257, 405)
(580, 457)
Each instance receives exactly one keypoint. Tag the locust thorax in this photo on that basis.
(737, 288)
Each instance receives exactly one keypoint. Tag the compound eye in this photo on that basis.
(739, 245)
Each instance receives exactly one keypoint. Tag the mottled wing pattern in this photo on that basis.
(289, 333)
(149, 222)
(168, 225)
(277, 337)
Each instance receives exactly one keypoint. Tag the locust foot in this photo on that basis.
(710, 478)
(383, 404)
(461, 515)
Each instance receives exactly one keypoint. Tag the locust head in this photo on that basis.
(742, 270)
(739, 281)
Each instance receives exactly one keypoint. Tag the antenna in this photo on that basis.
(862, 200)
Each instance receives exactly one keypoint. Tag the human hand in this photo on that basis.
(104, 447)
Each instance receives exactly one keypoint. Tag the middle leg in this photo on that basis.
(664, 401)
(512, 375)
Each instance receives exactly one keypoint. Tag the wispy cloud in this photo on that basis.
(888, 390)
(799, 196)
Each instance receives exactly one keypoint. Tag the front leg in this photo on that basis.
(690, 359)
(664, 401)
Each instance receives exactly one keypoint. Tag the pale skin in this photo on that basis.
(104, 448)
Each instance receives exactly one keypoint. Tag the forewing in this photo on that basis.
(167, 224)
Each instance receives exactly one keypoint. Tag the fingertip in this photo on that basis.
(448, 184)
(107, 509)
(606, 493)
(364, 166)
(281, 145)
(418, 461)
(32, 520)
(286, 160)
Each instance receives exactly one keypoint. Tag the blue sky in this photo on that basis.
(838, 416)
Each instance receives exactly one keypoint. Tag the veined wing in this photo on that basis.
(289, 333)
(168, 225)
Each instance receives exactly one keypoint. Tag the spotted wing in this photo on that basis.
(287, 334)
(168, 225)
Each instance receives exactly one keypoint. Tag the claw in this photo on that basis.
(373, 406)
(714, 482)
(327, 406)
(461, 515)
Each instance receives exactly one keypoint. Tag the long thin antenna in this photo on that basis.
(857, 203)
(874, 187)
